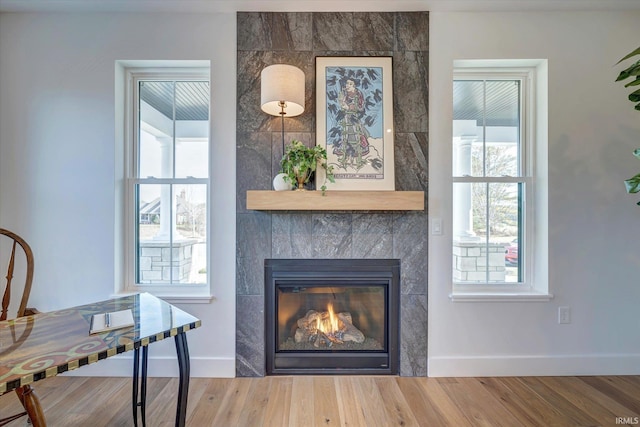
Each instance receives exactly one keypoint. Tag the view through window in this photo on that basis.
(490, 180)
(170, 188)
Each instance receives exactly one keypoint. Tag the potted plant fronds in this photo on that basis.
(300, 162)
(632, 184)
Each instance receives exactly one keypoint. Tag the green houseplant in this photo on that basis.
(299, 162)
(632, 184)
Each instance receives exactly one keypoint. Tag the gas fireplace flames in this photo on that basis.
(326, 328)
(329, 326)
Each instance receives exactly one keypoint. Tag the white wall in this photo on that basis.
(58, 168)
(594, 262)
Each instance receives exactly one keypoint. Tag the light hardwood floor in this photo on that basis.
(346, 401)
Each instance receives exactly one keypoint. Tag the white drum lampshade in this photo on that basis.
(282, 83)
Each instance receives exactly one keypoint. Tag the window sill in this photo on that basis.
(500, 297)
(174, 298)
(186, 299)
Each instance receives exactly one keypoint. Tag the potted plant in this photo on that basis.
(632, 184)
(299, 162)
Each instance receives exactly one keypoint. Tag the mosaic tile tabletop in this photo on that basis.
(47, 344)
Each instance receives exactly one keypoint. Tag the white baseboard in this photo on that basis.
(625, 364)
(495, 366)
(122, 366)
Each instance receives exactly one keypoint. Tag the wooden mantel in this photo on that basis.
(335, 200)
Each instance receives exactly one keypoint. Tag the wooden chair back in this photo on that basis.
(16, 247)
(20, 260)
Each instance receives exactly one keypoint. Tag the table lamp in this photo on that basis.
(282, 94)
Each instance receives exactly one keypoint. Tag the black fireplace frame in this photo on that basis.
(327, 272)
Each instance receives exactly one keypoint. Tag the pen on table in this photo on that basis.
(106, 320)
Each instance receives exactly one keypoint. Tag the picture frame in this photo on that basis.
(354, 121)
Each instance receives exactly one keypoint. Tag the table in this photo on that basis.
(36, 347)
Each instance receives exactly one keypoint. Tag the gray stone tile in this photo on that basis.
(372, 235)
(301, 235)
(332, 237)
(410, 85)
(253, 165)
(249, 115)
(333, 31)
(250, 276)
(292, 236)
(250, 356)
(253, 235)
(373, 31)
(254, 30)
(412, 223)
(411, 153)
(410, 244)
(281, 235)
(412, 31)
(413, 340)
(292, 31)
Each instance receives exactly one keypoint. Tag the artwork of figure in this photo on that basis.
(355, 144)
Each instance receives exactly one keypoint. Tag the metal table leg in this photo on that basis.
(134, 388)
(182, 350)
(143, 385)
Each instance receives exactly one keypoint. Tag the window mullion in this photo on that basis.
(173, 216)
(486, 186)
(484, 128)
(488, 232)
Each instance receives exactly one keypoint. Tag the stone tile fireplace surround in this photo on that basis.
(297, 38)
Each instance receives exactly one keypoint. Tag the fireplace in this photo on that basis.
(332, 316)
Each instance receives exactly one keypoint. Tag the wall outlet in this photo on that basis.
(564, 315)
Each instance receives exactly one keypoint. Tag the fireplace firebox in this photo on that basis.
(332, 316)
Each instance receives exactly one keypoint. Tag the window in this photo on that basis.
(493, 171)
(167, 185)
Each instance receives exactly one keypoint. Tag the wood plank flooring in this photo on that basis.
(353, 401)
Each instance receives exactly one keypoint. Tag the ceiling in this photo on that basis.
(492, 103)
(208, 6)
(187, 100)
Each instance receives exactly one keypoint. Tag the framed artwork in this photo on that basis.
(354, 121)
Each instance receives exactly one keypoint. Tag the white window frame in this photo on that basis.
(534, 286)
(183, 292)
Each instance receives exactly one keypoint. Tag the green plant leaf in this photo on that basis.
(635, 82)
(634, 96)
(633, 70)
(632, 184)
(634, 53)
(300, 161)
